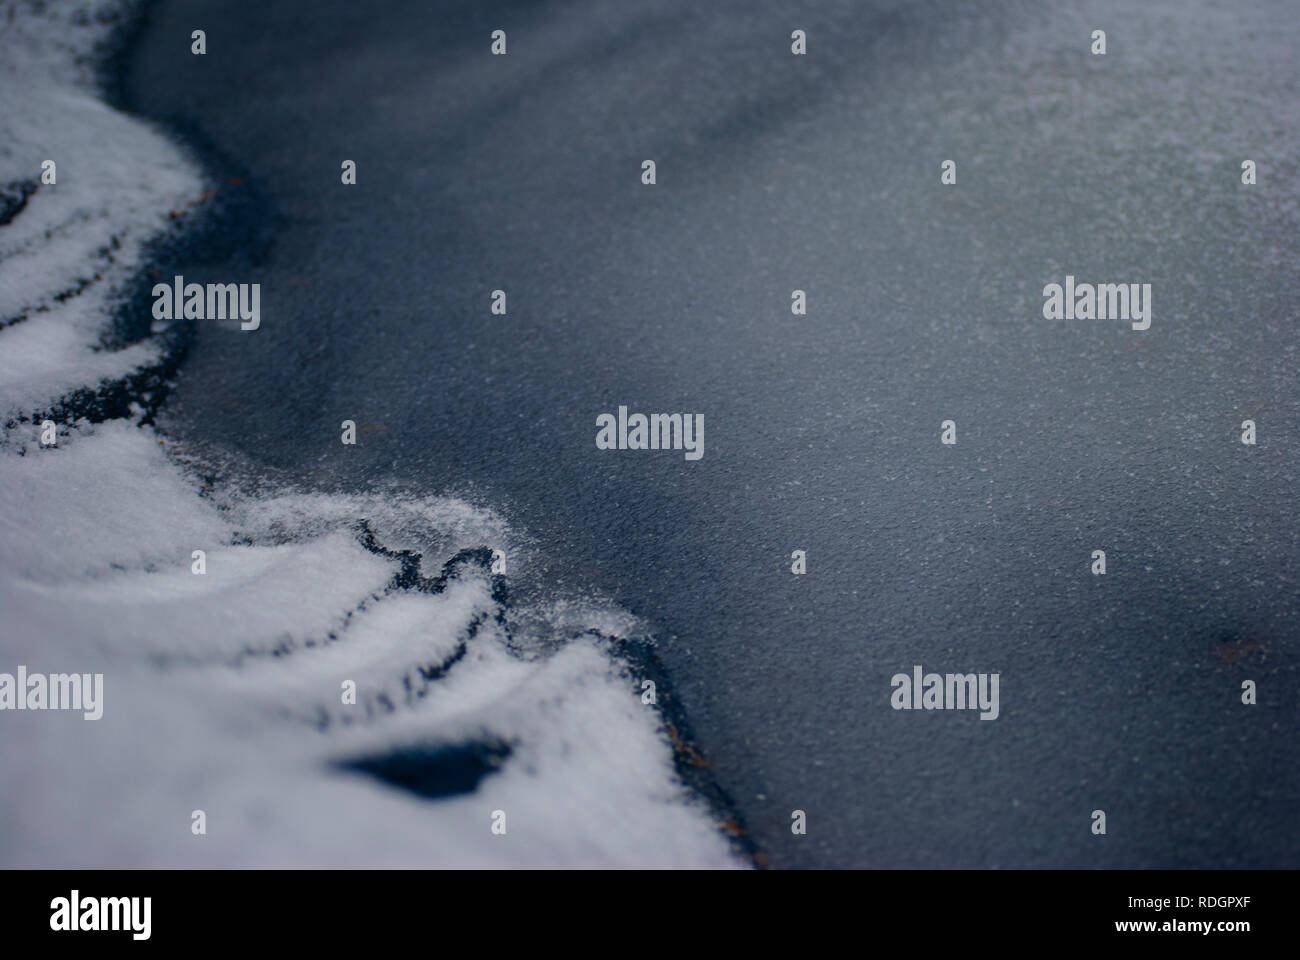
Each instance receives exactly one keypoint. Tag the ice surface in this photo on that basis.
(822, 173)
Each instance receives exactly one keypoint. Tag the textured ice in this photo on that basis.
(822, 173)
